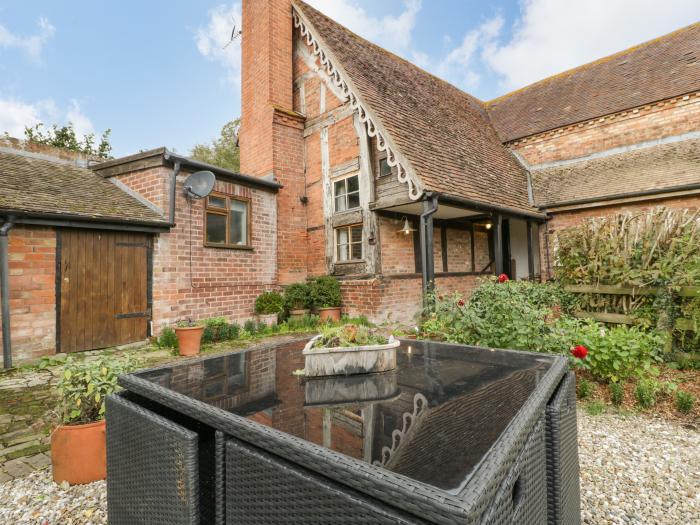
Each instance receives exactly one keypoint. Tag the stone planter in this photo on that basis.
(324, 391)
(329, 314)
(298, 314)
(350, 360)
(268, 319)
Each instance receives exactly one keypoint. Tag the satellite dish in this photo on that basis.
(199, 184)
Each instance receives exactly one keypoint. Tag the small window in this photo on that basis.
(347, 193)
(348, 241)
(384, 168)
(227, 222)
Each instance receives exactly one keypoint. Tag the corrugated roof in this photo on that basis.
(656, 70)
(443, 132)
(659, 167)
(39, 186)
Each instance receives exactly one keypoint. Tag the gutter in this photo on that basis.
(224, 173)
(61, 219)
(5, 292)
(173, 188)
(627, 195)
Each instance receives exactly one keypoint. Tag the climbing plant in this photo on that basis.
(66, 138)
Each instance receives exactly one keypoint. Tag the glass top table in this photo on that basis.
(432, 419)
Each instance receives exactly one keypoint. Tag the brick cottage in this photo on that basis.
(357, 164)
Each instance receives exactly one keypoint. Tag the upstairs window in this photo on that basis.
(348, 243)
(384, 169)
(346, 193)
(227, 221)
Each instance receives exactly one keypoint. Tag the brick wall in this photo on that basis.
(650, 122)
(217, 281)
(271, 134)
(397, 298)
(32, 265)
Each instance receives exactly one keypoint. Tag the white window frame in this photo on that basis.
(349, 244)
(346, 194)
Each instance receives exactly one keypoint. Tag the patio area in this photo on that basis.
(634, 468)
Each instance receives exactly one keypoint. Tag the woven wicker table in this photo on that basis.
(455, 434)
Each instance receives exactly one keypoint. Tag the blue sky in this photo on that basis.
(156, 72)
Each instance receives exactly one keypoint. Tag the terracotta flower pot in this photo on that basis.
(189, 339)
(78, 453)
(329, 314)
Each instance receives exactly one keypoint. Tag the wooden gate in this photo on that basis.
(103, 295)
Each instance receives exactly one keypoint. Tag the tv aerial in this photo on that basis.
(199, 184)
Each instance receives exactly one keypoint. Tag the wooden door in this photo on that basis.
(102, 289)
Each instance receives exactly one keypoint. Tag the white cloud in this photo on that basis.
(32, 45)
(214, 40)
(551, 36)
(394, 32)
(460, 66)
(15, 115)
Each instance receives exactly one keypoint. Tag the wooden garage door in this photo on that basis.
(103, 289)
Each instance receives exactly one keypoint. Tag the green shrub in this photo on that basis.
(614, 353)
(325, 292)
(85, 384)
(617, 393)
(514, 314)
(303, 323)
(646, 392)
(167, 339)
(684, 401)
(585, 388)
(359, 320)
(269, 303)
(595, 408)
(297, 296)
(250, 326)
(218, 329)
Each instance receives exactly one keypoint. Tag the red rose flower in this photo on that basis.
(460, 302)
(579, 351)
(503, 278)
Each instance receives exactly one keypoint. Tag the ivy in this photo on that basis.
(64, 137)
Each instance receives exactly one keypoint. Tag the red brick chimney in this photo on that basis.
(271, 134)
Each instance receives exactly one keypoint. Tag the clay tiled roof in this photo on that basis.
(659, 69)
(443, 132)
(660, 167)
(38, 186)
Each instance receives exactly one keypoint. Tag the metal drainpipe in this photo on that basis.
(173, 188)
(5, 292)
(430, 206)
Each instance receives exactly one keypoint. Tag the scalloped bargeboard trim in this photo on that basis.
(414, 190)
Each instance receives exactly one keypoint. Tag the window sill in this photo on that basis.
(353, 261)
(243, 247)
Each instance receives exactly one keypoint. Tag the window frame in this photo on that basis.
(344, 179)
(336, 245)
(383, 156)
(226, 212)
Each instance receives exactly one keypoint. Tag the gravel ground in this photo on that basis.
(634, 470)
(638, 470)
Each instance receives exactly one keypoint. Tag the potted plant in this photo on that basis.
(349, 349)
(325, 294)
(78, 444)
(189, 337)
(268, 305)
(297, 300)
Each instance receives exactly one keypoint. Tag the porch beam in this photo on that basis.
(530, 252)
(430, 206)
(498, 243)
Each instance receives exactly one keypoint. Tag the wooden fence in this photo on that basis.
(681, 324)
